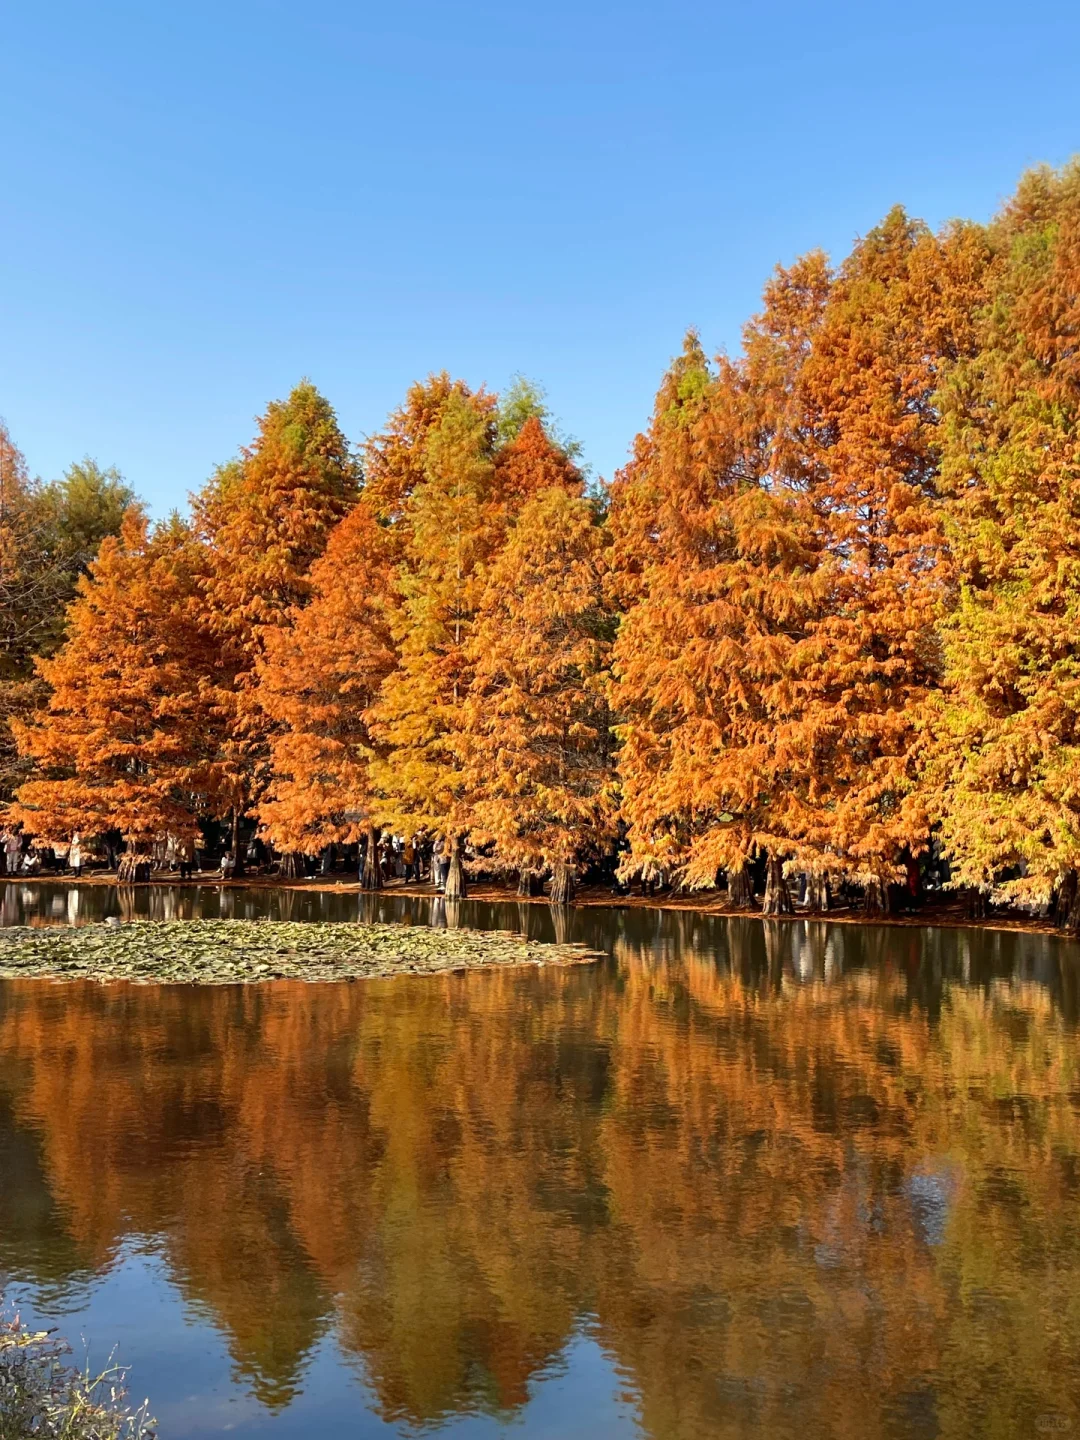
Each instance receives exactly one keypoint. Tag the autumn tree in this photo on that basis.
(858, 435)
(452, 525)
(126, 737)
(1007, 758)
(722, 579)
(451, 532)
(394, 460)
(266, 518)
(784, 543)
(319, 675)
(537, 747)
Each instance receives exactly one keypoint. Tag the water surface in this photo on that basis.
(741, 1179)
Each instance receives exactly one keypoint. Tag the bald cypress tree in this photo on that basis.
(1007, 751)
(537, 747)
(127, 737)
(319, 677)
(266, 519)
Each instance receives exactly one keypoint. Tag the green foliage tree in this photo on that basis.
(1005, 771)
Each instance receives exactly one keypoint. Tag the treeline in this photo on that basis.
(829, 610)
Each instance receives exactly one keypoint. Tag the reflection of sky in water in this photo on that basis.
(931, 1193)
(171, 1348)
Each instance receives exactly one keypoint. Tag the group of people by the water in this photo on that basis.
(418, 858)
(412, 858)
(18, 856)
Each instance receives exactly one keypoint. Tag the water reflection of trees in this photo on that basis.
(814, 1183)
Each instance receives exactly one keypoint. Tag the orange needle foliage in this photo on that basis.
(725, 578)
(318, 679)
(865, 448)
(126, 740)
(538, 748)
(266, 518)
(780, 643)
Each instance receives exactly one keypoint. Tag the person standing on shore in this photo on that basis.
(185, 854)
(13, 851)
(75, 856)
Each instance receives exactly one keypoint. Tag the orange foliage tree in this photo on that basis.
(318, 679)
(26, 593)
(266, 518)
(787, 562)
(722, 577)
(538, 746)
(862, 442)
(127, 739)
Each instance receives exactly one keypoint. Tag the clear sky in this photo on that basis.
(203, 202)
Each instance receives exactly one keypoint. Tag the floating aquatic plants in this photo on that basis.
(227, 952)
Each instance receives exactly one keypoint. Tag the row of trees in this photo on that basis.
(828, 609)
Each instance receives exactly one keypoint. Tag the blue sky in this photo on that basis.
(203, 202)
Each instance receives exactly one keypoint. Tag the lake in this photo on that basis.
(739, 1179)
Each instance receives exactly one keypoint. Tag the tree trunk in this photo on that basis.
(134, 868)
(777, 894)
(371, 874)
(817, 892)
(876, 897)
(292, 865)
(1065, 904)
(530, 884)
(455, 880)
(237, 855)
(563, 885)
(740, 884)
(1072, 920)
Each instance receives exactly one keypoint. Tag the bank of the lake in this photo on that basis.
(947, 910)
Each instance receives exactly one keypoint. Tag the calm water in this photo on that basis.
(740, 1180)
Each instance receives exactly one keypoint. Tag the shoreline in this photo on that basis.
(948, 915)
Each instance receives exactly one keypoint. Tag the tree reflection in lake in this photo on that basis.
(795, 1178)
